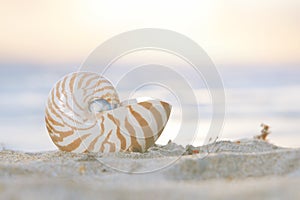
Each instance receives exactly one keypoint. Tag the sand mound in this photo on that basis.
(177, 174)
(246, 158)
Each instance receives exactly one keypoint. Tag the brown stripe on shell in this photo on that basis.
(166, 107)
(86, 98)
(156, 114)
(54, 138)
(104, 88)
(71, 86)
(62, 134)
(74, 145)
(134, 144)
(88, 82)
(53, 121)
(148, 134)
(85, 90)
(96, 84)
(80, 82)
(53, 107)
(52, 131)
(64, 104)
(112, 146)
(119, 134)
(92, 145)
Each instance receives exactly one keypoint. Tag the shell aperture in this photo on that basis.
(99, 105)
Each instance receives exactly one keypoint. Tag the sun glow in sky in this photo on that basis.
(230, 31)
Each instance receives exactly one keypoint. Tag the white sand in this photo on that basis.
(249, 169)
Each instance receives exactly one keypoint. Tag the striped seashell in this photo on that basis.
(84, 114)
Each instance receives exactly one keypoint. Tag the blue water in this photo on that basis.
(253, 95)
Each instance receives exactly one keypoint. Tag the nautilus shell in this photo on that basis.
(84, 114)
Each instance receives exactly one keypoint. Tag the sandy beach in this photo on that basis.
(244, 169)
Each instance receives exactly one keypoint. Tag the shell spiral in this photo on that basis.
(76, 125)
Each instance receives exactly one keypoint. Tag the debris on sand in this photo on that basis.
(264, 132)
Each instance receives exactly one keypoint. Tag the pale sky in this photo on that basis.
(230, 31)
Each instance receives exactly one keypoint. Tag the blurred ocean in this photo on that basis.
(254, 95)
